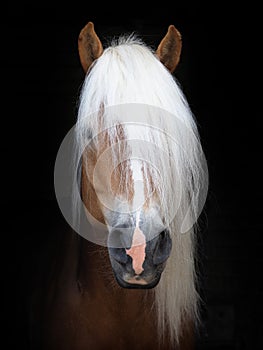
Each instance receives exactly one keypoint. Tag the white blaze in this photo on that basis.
(137, 250)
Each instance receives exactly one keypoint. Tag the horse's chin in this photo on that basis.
(137, 282)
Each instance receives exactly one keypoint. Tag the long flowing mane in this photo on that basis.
(128, 81)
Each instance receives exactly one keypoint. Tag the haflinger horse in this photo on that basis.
(140, 176)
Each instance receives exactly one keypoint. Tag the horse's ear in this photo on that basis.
(169, 49)
(89, 46)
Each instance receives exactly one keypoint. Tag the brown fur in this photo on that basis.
(169, 49)
(89, 45)
(86, 308)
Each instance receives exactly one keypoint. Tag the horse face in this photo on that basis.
(139, 243)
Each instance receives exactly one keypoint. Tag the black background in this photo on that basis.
(219, 73)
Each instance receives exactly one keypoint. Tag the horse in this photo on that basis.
(127, 277)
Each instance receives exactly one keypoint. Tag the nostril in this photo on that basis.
(163, 248)
(163, 234)
(161, 243)
(119, 254)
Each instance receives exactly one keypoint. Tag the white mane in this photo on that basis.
(127, 74)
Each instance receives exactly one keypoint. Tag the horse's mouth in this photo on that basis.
(137, 282)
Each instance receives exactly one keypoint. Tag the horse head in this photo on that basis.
(139, 243)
